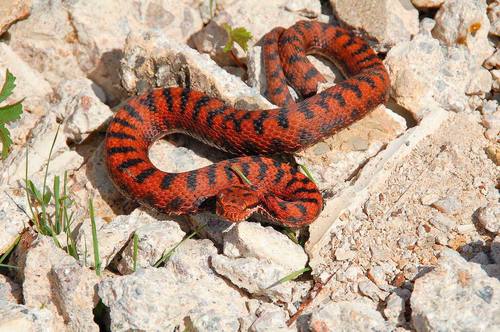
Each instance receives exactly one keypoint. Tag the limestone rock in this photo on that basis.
(427, 3)
(362, 317)
(494, 16)
(19, 317)
(464, 23)
(153, 240)
(12, 11)
(10, 291)
(489, 217)
(190, 295)
(457, 284)
(389, 22)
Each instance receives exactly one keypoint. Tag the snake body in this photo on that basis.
(276, 188)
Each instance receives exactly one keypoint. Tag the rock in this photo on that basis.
(494, 16)
(35, 262)
(12, 11)
(443, 223)
(257, 276)
(111, 236)
(377, 275)
(456, 296)
(489, 217)
(30, 85)
(10, 291)
(424, 73)
(369, 289)
(76, 292)
(46, 40)
(307, 8)
(447, 205)
(202, 299)
(152, 60)
(480, 83)
(496, 80)
(12, 219)
(81, 108)
(19, 317)
(464, 23)
(395, 306)
(495, 250)
(249, 239)
(38, 145)
(493, 61)
(389, 22)
(270, 318)
(332, 317)
(153, 240)
(427, 3)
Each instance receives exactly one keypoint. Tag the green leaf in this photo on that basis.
(11, 112)
(6, 140)
(238, 35)
(8, 86)
(291, 276)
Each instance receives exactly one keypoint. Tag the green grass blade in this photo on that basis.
(57, 203)
(95, 242)
(307, 173)
(291, 276)
(44, 207)
(241, 175)
(166, 256)
(136, 249)
(9, 266)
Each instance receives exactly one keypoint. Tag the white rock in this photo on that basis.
(111, 236)
(332, 317)
(396, 307)
(257, 276)
(76, 292)
(39, 144)
(464, 23)
(496, 80)
(271, 318)
(424, 73)
(494, 16)
(307, 8)
(190, 293)
(456, 296)
(10, 291)
(388, 21)
(377, 275)
(369, 289)
(35, 262)
(12, 11)
(249, 239)
(481, 82)
(153, 240)
(82, 109)
(178, 65)
(493, 61)
(19, 317)
(442, 222)
(489, 217)
(12, 219)
(427, 3)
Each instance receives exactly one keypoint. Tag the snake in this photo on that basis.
(255, 179)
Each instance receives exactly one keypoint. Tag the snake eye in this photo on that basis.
(237, 203)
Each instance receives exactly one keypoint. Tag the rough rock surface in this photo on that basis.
(464, 23)
(202, 300)
(463, 286)
(18, 317)
(388, 21)
(12, 11)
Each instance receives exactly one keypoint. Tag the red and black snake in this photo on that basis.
(277, 188)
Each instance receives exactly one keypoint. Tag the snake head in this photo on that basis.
(237, 203)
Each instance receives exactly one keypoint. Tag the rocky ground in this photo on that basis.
(410, 235)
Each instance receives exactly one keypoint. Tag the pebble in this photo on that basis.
(489, 217)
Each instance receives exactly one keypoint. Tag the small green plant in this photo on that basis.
(56, 200)
(240, 36)
(8, 113)
(306, 172)
(241, 175)
(7, 253)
